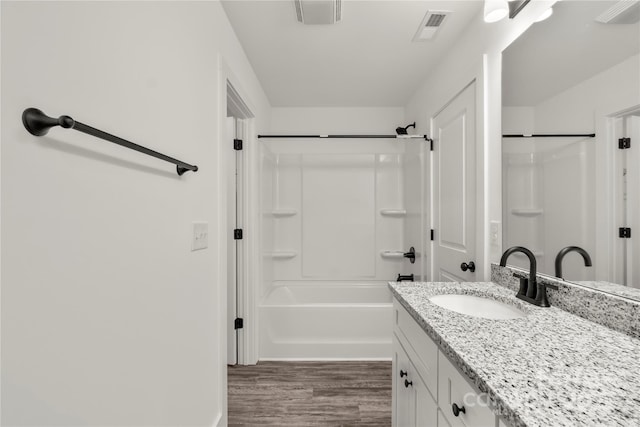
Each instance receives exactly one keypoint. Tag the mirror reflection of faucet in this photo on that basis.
(564, 251)
(529, 291)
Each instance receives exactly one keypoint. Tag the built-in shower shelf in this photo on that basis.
(283, 255)
(527, 211)
(283, 213)
(392, 254)
(393, 212)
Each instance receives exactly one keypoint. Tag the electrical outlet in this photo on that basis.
(495, 233)
(200, 238)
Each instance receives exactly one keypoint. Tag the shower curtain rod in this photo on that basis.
(552, 135)
(425, 137)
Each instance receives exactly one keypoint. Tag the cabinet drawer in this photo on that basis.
(453, 388)
(421, 349)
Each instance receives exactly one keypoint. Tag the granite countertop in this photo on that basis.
(550, 368)
(612, 288)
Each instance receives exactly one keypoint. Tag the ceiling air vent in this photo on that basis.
(623, 12)
(430, 25)
(318, 12)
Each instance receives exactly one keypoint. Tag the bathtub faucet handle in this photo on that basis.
(411, 255)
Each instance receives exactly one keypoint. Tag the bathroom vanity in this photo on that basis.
(426, 385)
(542, 367)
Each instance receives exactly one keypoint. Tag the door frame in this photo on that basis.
(609, 247)
(252, 267)
(249, 268)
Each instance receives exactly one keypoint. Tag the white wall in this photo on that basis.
(416, 230)
(476, 55)
(344, 120)
(108, 318)
(575, 109)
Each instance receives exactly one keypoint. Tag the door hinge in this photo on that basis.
(237, 144)
(238, 323)
(624, 143)
(624, 233)
(237, 234)
(433, 234)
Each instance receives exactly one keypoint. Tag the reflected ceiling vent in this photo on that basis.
(623, 12)
(318, 12)
(432, 22)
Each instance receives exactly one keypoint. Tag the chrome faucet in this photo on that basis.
(564, 251)
(530, 291)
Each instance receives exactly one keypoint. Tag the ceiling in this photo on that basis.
(566, 49)
(366, 60)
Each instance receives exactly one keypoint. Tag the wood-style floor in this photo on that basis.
(288, 394)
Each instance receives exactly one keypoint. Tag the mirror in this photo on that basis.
(570, 92)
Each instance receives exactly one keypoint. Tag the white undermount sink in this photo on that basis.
(472, 305)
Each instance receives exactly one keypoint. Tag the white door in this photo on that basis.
(454, 189)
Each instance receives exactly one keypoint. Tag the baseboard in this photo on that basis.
(218, 421)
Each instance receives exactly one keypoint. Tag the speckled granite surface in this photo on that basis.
(611, 288)
(550, 368)
(615, 312)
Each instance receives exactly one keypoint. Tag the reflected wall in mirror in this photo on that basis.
(576, 73)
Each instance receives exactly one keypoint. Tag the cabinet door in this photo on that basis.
(401, 397)
(442, 421)
(472, 409)
(413, 405)
(424, 411)
(421, 349)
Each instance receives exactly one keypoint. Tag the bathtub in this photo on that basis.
(326, 322)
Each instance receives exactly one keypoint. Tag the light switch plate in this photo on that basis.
(200, 238)
(495, 233)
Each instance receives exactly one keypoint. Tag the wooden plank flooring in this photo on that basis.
(288, 394)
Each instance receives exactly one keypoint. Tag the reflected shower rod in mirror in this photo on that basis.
(552, 135)
(37, 123)
(425, 137)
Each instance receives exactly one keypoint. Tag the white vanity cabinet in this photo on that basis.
(426, 385)
(413, 403)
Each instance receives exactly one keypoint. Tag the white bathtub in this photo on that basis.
(326, 322)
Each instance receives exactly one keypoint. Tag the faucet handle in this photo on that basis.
(549, 286)
(524, 283)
